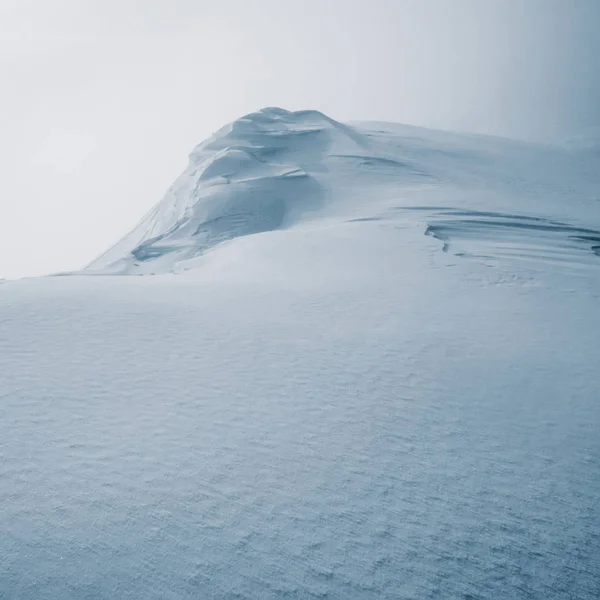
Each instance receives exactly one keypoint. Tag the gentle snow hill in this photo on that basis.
(366, 367)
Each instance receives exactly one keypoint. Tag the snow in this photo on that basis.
(366, 367)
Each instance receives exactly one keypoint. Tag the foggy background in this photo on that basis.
(101, 101)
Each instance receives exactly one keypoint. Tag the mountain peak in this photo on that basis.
(256, 174)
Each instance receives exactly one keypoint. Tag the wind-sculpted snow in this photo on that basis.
(251, 176)
(498, 235)
(311, 399)
(276, 169)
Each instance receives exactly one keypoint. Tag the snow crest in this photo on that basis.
(254, 175)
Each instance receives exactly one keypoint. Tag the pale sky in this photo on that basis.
(102, 100)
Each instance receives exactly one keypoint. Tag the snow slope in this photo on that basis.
(275, 169)
(366, 367)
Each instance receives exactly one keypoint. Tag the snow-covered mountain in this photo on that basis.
(366, 366)
(276, 169)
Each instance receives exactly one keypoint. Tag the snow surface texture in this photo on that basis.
(375, 375)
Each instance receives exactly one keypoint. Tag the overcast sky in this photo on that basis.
(103, 99)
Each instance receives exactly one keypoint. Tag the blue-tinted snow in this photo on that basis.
(325, 406)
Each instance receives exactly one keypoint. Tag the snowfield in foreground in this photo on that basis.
(362, 363)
